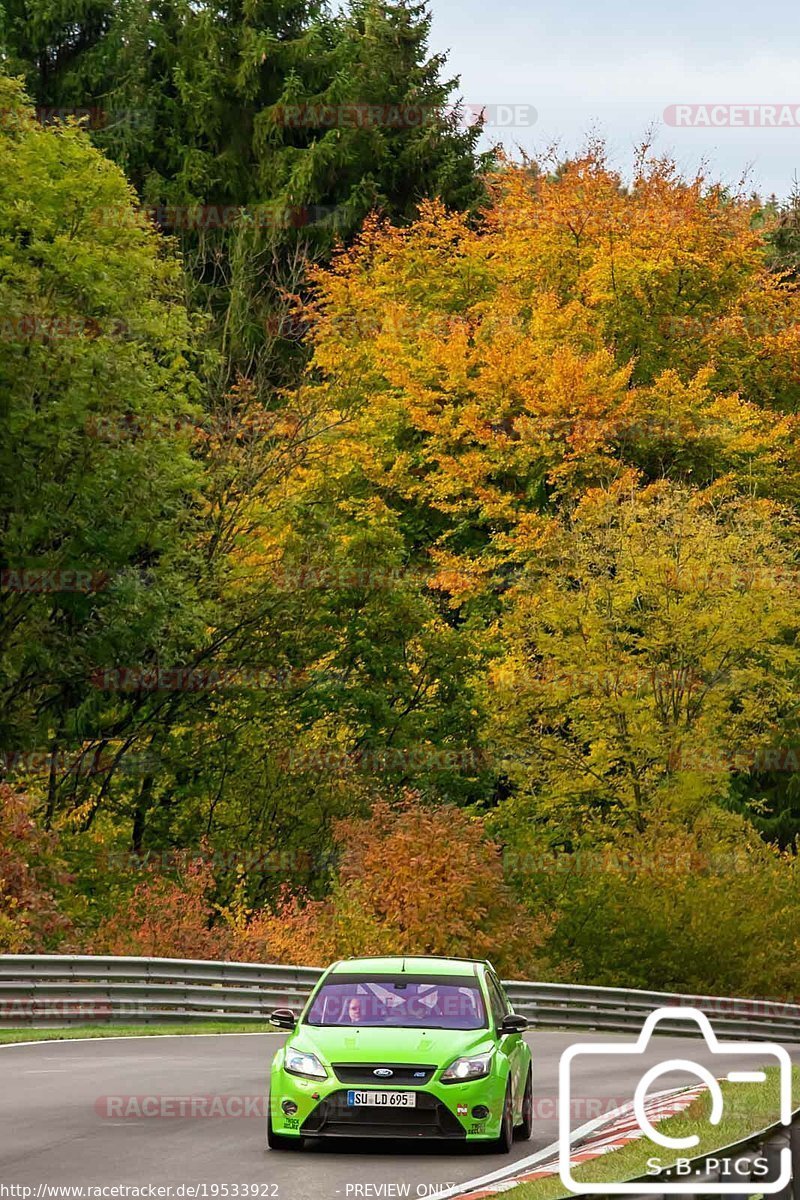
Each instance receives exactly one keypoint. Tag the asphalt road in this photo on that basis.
(63, 1120)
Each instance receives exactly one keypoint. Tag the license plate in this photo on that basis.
(382, 1099)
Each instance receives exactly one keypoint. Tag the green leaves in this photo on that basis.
(96, 457)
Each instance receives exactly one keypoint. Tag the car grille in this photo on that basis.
(334, 1117)
(413, 1074)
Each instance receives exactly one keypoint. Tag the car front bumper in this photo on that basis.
(442, 1111)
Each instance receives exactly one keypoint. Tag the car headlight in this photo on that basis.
(298, 1063)
(474, 1066)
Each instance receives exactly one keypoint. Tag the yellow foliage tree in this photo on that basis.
(650, 652)
(478, 375)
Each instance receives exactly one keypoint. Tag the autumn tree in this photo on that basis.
(700, 906)
(166, 915)
(649, 656)
(479, 375)
(33, 880)
(495, 387)
(411, 880)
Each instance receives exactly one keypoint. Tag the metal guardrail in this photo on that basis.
(82, 989)
(756, 1158)
(625, 1010)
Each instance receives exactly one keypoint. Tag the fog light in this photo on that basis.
(480, 1112)
(289, 1107)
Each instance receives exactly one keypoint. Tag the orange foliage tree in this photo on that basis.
(31, 875)
(411, 880)
(476, 375)
(165, 917)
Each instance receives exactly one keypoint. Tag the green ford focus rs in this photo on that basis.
(403, 1048)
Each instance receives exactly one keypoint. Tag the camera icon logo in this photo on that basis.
(754, 1053)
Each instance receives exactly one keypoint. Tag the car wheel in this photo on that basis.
(279, 1141)
(506, 1140)
(525, 1128)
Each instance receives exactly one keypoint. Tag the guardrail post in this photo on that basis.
(794, 1142)
(728, 1173)
(772, 1153)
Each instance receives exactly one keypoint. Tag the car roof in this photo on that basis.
(409, 964)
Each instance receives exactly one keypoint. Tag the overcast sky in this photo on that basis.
(615, 67)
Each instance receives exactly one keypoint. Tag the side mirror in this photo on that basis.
(284, 1018)
(512, 1023)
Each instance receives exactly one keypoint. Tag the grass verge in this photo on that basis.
(749, 1107)
(76, 1032)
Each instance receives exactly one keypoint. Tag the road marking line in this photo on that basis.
(134, 1037)
(521, 1165)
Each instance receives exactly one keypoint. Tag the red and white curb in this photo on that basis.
(600, 1136)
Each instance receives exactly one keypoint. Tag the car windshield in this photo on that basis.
(400, 1002)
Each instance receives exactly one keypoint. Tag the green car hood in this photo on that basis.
(435, 1047)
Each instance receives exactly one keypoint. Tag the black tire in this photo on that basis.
(525, 1128)
(279, 1141)
(505, 1142)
